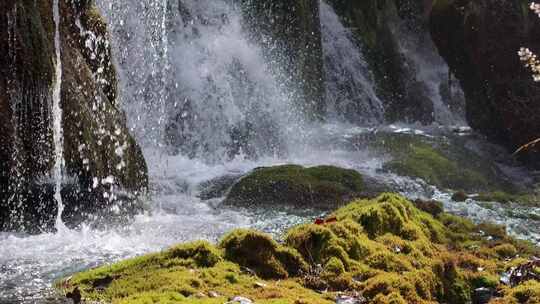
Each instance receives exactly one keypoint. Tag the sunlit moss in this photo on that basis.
(262, 254)
(408, 257)
(324, 187)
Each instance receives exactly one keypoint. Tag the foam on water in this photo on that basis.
(195, 89)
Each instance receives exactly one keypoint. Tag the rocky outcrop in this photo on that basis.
(480, 40)
(291, 34)
(102, 159)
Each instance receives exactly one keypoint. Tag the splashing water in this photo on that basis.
(58, 134)
(203, 103)
(350, 88)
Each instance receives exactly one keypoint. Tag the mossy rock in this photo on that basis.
(430, 206)
(97, 142)
(526, 199)
(443, 162)
(324, 187)
(384, 248)
(500, 92)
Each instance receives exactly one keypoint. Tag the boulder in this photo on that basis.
(323, 187)
(103, 164)
(479, 40)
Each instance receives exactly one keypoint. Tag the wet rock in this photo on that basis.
(460, 196)
(217, 187)
(482, 295)
(97, 143)
(431, 206)
(75, 295)
(323, 187)
(501, 96)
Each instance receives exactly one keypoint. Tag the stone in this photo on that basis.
(322, 187)
(482, 295)
(501, 96)
(97, 143)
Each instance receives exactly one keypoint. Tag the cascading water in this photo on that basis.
(432, 72)
(221, 98)
(204, 104)
(57, 118)
(350, 88)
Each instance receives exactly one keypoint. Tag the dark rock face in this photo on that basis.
(101, 156)
(480, 40)
(323, 187)
(291, 33)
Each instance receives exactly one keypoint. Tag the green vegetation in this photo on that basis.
(444, 163)
(385, 248)
(502, 197)
(325, 187)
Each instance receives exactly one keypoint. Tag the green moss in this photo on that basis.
(426, 163)
(410, 257)
(447, 164)
(505, 250)
(527, 293)
(334, 266)
(526, 199)
(394, 214)
(488, 281)
(389, 262)
(263, 255)
(321, 187)
(317, 244)
(203, 254)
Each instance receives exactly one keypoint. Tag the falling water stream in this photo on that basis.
(58, 134)
(196, 79)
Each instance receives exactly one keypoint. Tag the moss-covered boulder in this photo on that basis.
(101, 157)
(322, 187)
(385, 249)
(445, 162)
(502, 98)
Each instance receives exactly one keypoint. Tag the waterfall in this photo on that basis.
(432, 72)
(212, 93)
(58, 135)
(350, 88)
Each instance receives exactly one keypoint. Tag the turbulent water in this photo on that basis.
(205, 103)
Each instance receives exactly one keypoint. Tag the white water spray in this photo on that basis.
(58, 133)
(350, 88)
